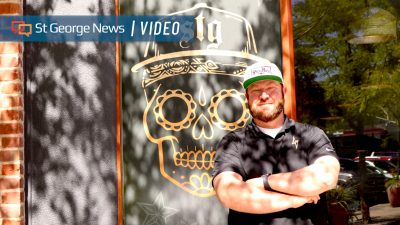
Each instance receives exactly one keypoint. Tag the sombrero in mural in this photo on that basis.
(223, 46)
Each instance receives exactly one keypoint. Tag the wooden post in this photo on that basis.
(288, 58)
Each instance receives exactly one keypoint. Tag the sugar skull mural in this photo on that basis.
(194, 94)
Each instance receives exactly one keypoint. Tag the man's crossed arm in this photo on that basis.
(290, 190)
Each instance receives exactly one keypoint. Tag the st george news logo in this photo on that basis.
(21, 28)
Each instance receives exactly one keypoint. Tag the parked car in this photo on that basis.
(374, 185)
(387, 163)
(387, 167)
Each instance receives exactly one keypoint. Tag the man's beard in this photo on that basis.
(266, 116)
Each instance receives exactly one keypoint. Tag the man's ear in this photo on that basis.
(247, 95)
(284, 90)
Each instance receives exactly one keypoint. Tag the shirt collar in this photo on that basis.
(287, 124)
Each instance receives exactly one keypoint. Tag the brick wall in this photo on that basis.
(11, 125)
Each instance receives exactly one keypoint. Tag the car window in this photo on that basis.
(374, 169)
(384, 164)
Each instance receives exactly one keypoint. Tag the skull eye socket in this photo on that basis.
(229, 119)
(169, 110)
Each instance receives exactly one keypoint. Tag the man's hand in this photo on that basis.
(250, 197)
(311, 180)
(313, 199)
(256, 182)
(298, 201)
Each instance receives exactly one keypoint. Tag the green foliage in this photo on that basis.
(359, 83)
(393, 181)
(343, 195)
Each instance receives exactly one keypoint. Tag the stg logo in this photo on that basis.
(21, 28)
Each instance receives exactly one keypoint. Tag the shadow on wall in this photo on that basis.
(70, 116)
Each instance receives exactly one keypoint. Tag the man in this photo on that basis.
(274, 170)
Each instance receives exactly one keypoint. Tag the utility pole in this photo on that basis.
(362, 170)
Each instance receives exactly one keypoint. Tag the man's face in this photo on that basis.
(265, 99)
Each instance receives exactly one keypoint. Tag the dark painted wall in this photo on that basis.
(70, 114)
(167, 169)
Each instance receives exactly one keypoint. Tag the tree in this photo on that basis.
(359, 82)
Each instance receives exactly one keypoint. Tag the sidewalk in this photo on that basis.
(382, 214)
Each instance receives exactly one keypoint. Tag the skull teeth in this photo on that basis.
(200, 159)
